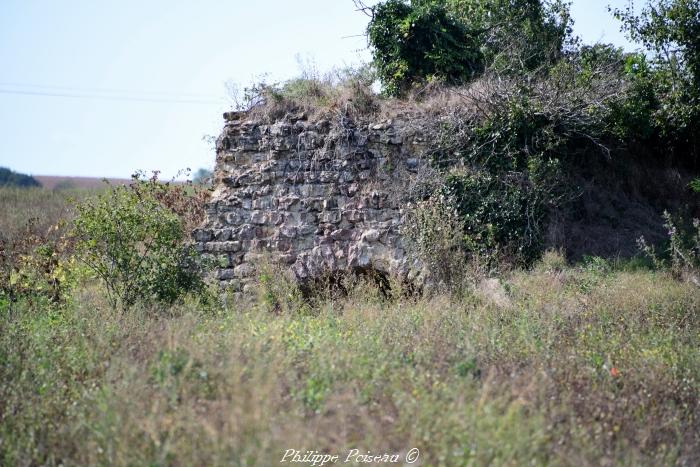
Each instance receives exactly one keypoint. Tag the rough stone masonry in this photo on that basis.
(316, 197)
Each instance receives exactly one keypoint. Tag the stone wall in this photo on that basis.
(314, 196)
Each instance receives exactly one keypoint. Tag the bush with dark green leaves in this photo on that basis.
(454, 41)
(517, 36)
(420, 40)
(136, 246)
(504, 215)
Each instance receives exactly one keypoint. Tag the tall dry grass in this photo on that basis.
(43, 208)
(589, 365)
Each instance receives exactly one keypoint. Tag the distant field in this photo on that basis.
(54, 181)
(43, 207)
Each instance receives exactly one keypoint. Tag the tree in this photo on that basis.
(11, 178)
(202, 176)
(456, 40)
(670, 30)
(665, 82)
(517, 35)
(419, 40)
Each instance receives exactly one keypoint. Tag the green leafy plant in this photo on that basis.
(418, 40)
(670, 29)
(457, 40)
(135, 245)
(664, 82)
(517, 36)
(695, 185)
(37, 265)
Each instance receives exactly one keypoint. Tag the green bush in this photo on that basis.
(517, 36)
(421, 40)
(456, 40)
(136, 246)
(504, 215)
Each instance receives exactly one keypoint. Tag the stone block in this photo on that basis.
(202, 235)
(258, 217)
(243, 270)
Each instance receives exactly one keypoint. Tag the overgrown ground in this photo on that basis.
(589, 364)
(592, 363)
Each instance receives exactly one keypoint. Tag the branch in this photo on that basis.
(360, 6)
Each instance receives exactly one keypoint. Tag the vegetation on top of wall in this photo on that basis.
(656, 102)
(341, 93)
(421, 40)
(543, 107)
(455, 41)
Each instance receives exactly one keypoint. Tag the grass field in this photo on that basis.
(596, 363)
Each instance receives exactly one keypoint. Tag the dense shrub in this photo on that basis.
(134, 241)
(456, 40)
(504, 214)
(421, 40)
(517, 36)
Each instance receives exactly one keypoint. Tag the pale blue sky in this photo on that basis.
(152, 52)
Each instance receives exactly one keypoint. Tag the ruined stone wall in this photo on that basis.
(314, 196)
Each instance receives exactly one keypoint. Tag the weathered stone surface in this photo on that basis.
(310, 195)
